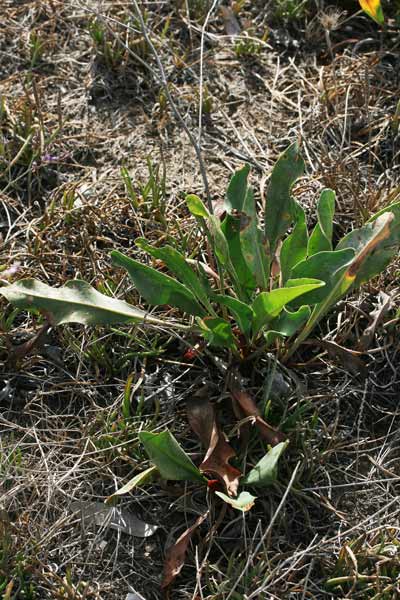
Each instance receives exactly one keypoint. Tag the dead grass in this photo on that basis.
(79, 118)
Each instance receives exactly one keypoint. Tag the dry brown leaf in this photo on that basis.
(249, 409)
(217, 463)
(202, 419)
(176, 554)
(350, 359)
(231, 23)
(382, 229)
(384, 303)
(19, 352)
(113, 517)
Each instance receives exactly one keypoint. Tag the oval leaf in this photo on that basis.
(176, 262)
(268, 305)
(241, 311)
(294, 248)
(139, 479)
(321, 237)
(169, 458)
(217, 332)
(287, 324)
(374, 235)
(75, 302)
(158, 288)
(196, 206)
(243, 502)
(279, 204)
(266, 470)
(322, 266)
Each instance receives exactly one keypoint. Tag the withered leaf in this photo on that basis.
(384, 304)
(350, 359)
(231, 23)
(249, 409)
(202, 419)
(176, 554)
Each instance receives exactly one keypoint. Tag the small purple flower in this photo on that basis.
(49, 158)
(10, 271)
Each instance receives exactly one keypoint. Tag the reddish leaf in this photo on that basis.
(202, 419)
(250, 409)
(19, 352)
(218, 463)
(176, 554)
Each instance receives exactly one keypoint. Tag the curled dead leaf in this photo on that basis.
(384, 304)
(350, 359)
(202, 419)
(382, 232)
(176, 554)
(231, 23)
(249, 408)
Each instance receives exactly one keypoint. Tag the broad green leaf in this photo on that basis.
(158, 288)
(268, 305)
(294, 247)
(221, 248)
(395, 225)
(279, 204)
(251, 240)
(139, 479)
(75, 302)
(242, 278)
(196, 206)
(321, 237)
(324, 266)
(377, 261)
(346, 276)
(231, 230)
(169, 458)
(374, 10)
(266, 470)
(237, 190)
(217, 332)
(287, 324)
(176, 262)
(243, 502)
(242, 313)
